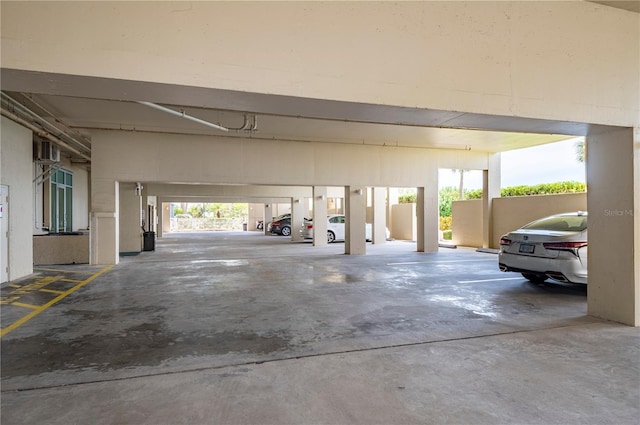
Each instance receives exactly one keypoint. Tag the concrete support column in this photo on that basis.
(297, 218)
(427, 213)
(613, 199)
(392, 199)
(105, 243)
(319, 215)
(356, 215)
(129, 218)
(379, 226)
(490, 189)
(165, 219)
(268, 216)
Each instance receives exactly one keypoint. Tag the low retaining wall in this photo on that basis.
(509, 213)
(61, 249)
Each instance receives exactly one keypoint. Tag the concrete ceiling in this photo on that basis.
(89, 103)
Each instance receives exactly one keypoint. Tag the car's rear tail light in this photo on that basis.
(564, 245)
(310, 226)
(275, 223)
(505, 241)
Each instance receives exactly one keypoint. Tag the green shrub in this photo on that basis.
(409, 198)
(447, 235)
(445, 223)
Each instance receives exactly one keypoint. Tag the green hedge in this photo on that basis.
(538, 189)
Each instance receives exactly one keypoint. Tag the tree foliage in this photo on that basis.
(446, 196)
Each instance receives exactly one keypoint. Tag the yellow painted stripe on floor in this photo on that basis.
(13, 285)
(70, 280)
(61, 271)
(31, 306)
(42, 308)
(52, 291)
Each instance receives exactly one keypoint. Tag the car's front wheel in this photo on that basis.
(535, 278)
(286, 231)
(330, 236)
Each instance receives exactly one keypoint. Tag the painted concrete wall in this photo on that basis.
(572, 60)
(403, 222)
(218, 160)
(467, 223)
(613, 165)
(509, 213)
(16, 171)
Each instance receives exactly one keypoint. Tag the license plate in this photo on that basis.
(527, 248)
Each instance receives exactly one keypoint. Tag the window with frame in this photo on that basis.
(61, 202)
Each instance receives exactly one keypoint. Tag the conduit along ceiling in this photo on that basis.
(73, 106)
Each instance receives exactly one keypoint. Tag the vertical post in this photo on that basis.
(297, 218)
(319, 215)
(613, 199)
(490, 189)
(427, 213)
(268, 216)
(356, 215)
(379, 215)
(105, 243)
(428, 217)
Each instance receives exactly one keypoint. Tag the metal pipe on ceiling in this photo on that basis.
(40, 132)
(63, 139)
(182, 114)
(76, 137)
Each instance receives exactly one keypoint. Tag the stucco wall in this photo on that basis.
(562, 60)
(509, 213)
(403, 222)
(16, 171)
(467, 223)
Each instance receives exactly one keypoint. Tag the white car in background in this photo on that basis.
(335, 229)
(553, 247)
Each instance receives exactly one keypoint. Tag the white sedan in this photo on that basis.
(553, 247)
(335, 229)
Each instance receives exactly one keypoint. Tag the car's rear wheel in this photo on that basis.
(286, 231)
(330, 236)
(535, 278)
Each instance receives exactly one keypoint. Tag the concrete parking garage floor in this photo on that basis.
(232, 328)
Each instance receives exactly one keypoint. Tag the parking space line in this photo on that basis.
(19, 304)
(40, 309)
(52, 291)
(70, 280)
(61, 271)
